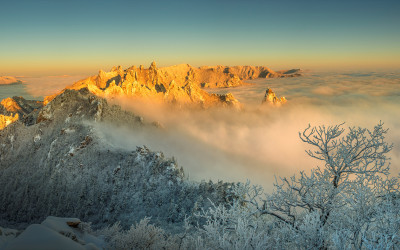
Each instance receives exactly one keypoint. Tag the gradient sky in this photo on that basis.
(80, 37)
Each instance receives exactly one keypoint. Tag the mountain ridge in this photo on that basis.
(18, 109)
(180, 84)
(62, 165)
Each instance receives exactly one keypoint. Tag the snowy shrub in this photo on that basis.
(141, 183)
(139, 236)
(232, 228)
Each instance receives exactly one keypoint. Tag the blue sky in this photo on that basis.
(74, 37)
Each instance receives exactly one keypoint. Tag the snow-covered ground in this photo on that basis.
(52, 233)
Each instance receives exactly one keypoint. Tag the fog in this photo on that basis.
(35, 88)
(48, 85)
(259, 142)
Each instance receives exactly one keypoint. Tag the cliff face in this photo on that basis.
(271, 98)
(6, 120)
(17, 108)
(172, 86)
(181, 84)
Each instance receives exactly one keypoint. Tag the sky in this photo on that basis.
(50, 37)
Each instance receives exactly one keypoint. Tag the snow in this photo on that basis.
(53, 233)
(6, 234)
(51, 147)
(60, 224)
(40, 237)
(69, 131)
(71, 150)
(36, 138)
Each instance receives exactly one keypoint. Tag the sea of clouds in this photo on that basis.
(35, 88)
(259, 142)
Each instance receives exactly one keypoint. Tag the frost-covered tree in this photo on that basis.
(349, 202)
(355, 157)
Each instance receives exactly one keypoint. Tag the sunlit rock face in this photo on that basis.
(7, 120)
(179, 84)
(271, 98)
(17, 108)
(176, 85)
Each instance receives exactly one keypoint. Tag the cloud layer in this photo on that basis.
(261, 142)
(258, 142)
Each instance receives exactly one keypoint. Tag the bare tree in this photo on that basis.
(359, 153)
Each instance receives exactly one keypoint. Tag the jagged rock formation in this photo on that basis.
(4, 80)
(18, 108)
(6, 120)
(271, 98)
(152, 83)
(63, 166)
(179, 84)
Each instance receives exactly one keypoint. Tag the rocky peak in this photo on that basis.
(230, 100)
(18, 108)
(6, 120)
(178, 85)
(116, 68)
(10, 105)
(187, 82)
(271, 98)
(153, 66)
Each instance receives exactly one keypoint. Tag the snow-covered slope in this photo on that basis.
(62, 166)
(52, 233)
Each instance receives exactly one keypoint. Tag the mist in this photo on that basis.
(258, 142)
(48, 85)
(261, 142)
(36, 88)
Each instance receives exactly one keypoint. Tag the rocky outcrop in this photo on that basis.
(179, 84)
(4, 80)
(18, 104)
(18, 108)
(219, 76)
(6, 120)
(271, 98)
(146, 83)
